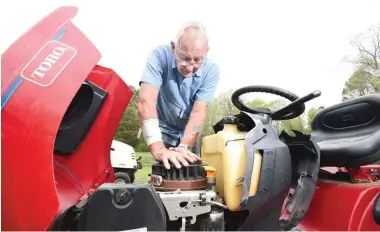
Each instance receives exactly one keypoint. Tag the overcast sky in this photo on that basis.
(296, 45)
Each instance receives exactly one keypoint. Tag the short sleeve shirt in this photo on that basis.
(177, 94)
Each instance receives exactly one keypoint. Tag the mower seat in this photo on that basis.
(348, 133)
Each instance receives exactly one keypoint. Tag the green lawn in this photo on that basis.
(147, 160)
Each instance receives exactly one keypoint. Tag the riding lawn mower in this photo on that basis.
(60, 111)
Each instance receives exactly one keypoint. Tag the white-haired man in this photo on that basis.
(177, 84)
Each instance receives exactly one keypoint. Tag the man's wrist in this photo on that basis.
(186, 146)
(151, 131)
(156, 149)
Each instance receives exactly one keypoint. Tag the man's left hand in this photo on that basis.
(183, 150)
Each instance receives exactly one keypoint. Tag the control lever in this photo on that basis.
(299, 101)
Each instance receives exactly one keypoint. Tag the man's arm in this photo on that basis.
(150, 84)
(196, 122)
(147, 110)
(203, 97)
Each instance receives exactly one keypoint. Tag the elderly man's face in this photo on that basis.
(189, 54)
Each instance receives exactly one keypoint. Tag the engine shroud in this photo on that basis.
(192, 177)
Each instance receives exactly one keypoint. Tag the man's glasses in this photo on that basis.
(187, 60)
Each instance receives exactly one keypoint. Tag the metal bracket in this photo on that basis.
(197, 203)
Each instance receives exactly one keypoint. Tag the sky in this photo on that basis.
(295, 45)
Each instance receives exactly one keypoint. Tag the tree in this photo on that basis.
(366, 78)
(310, 116)
(220, 107)
(359, 84)
(130, 124)
(368, 47)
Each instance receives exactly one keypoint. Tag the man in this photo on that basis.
(177, 84)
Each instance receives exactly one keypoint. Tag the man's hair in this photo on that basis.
(196, 27)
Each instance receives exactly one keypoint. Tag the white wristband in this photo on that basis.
(151, 131)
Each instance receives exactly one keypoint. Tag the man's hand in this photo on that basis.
(183, 150)
(177, 158)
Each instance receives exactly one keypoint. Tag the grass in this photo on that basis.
(147, 160)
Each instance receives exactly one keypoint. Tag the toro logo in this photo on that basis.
(48, 63)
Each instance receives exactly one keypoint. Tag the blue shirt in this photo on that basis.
(177, 94)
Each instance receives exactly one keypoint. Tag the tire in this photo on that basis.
(122, 178)
(132, 177)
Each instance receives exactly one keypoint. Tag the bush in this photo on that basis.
(141, 146)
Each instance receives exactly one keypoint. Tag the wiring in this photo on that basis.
(75, 179)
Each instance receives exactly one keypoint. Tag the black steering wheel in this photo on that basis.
(283, 114)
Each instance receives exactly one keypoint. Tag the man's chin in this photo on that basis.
(187, 74)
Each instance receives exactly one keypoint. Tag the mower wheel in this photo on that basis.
(122, 178)
(132, 177)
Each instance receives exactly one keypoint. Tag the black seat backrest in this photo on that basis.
(348, 133)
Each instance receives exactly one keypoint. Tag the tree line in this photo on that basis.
(364, 80)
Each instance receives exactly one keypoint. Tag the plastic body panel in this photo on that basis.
(348, 133)
(264, 208)
(261, 209)
(376, 210)
(31, 115)
(115, 207)
(94, 151)
(305, 155)
(123, 156)
(350, 204)
(34, 189)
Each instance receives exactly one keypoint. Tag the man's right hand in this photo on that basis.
(177, 158)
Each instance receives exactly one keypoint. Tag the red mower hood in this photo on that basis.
(60, 111)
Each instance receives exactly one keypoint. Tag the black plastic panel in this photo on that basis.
(305, 169)
(348, 133)
(264, 208)
(78, 118)
(116, 207)
(376, 210)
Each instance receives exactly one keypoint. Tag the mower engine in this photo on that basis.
(174, 199)
(189, 196)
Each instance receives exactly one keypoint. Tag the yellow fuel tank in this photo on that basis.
(226, 152)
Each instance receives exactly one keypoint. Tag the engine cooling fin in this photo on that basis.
(192, 177)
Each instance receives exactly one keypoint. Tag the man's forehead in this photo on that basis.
(192, 47)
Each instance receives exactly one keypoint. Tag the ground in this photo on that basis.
(141, 175)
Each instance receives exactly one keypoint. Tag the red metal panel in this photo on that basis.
(23, 49)
(342, 206)
(32, 112)
(91, 163)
